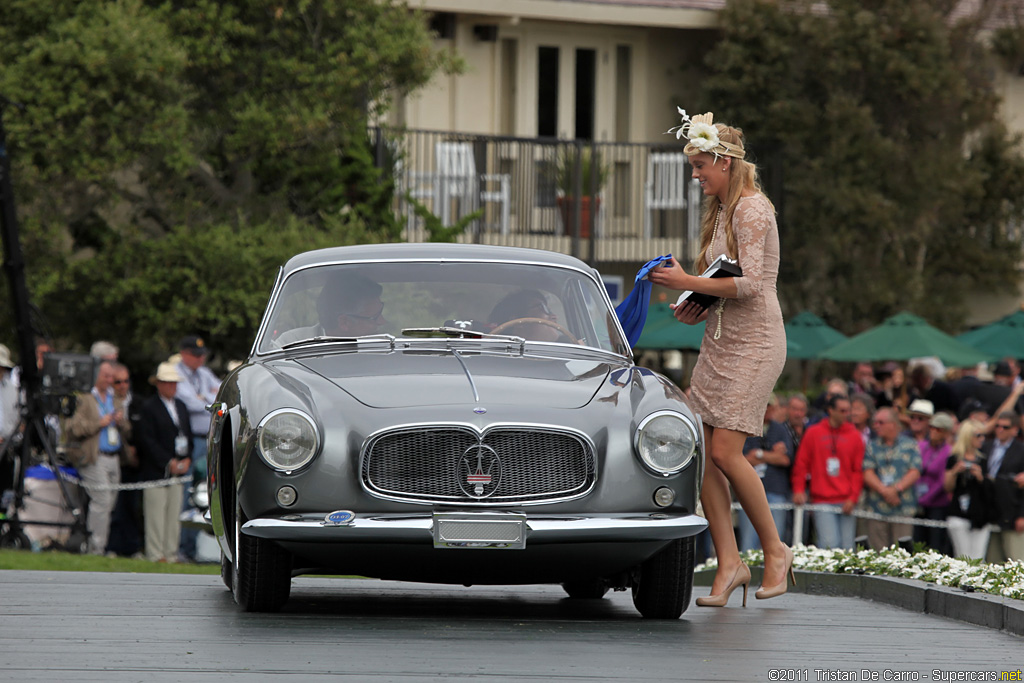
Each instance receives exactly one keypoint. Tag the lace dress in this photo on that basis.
(735, 374)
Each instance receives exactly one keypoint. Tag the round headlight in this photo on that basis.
(287, 439)
(666, 442)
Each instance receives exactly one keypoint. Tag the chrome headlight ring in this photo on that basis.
(666, 442)
(287, 439)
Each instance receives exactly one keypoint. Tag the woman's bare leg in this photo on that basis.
(727, 455)
(717, 503)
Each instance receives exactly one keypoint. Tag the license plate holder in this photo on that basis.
(479, 531)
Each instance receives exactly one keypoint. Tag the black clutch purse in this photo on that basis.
(722, 267)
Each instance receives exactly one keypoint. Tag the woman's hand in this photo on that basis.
(689, 313)
(672, 275)
(971, 469)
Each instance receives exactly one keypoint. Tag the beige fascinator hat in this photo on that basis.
(702, 136)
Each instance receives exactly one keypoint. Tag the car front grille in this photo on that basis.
(507, 465)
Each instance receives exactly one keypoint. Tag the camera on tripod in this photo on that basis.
(63, 376)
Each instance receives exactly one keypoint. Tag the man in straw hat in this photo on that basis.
(919, 414)
(164, 441)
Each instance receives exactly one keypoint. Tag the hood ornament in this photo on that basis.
(479, 471)
(479, 410)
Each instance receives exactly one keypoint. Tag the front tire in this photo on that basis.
(664, 583)
(262, 577)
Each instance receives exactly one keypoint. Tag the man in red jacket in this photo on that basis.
(832, 451)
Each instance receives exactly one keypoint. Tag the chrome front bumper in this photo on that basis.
(478, 529)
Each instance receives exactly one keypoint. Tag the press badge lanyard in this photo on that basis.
(113, 437)
(832, 464)
(180, 441)
(195, 381)
(762, 467)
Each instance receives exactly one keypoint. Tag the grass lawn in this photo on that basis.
(59, 561)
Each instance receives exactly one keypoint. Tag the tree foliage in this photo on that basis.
(172, 153)
(899, 181)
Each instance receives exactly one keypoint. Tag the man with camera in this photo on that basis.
(94, 447)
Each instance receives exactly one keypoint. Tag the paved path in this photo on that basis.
(74, 626)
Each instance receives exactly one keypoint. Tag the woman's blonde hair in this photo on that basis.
(965, 438)
(742, 177)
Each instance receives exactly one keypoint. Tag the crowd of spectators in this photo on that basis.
(898, 456)
(131, 453)
(893, 455)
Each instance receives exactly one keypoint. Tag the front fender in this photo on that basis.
(224, 431)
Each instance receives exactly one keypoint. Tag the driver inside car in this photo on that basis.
(523, 313)
(348, 305)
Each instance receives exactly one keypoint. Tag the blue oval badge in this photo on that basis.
(479, 410)
(340, 518)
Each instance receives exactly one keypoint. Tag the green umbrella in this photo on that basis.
(902, 337)
(663, 331)
(811, 334)
(1004, 337)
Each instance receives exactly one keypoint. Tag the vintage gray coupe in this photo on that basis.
(457, 414)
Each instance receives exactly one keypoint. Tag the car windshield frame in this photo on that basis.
(582, 309)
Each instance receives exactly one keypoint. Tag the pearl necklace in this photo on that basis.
(711, 248)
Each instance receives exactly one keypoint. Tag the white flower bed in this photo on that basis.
(971, 575)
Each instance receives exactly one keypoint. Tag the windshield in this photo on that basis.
(537, 303)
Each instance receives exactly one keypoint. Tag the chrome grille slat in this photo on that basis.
(422, 464)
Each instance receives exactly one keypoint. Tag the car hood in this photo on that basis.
(415, 378)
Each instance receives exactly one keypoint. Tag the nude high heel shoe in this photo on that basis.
(740, 576)
(764, 593)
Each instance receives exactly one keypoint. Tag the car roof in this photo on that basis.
(431, 251)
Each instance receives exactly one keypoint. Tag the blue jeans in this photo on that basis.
(834, 529)
(187, 547)
(748, 539)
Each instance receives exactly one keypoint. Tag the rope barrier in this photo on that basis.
(136, 486)
(799, 511)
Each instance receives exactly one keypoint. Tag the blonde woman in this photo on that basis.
(743, 351)
(965, 479)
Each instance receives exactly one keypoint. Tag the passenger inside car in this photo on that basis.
(349, 305)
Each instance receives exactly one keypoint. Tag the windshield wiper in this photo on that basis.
(328, 338)
(428, 332)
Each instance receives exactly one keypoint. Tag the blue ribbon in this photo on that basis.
(632, 312)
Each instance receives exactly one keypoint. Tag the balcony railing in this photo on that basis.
(639, 199)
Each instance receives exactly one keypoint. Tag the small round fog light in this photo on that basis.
(664, 496)
(286, 496)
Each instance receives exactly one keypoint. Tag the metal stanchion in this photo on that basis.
(798, 524)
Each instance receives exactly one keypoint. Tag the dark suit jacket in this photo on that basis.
(155, 437)
(1005, 497)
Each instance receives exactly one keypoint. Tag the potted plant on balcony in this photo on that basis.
(579, 170)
